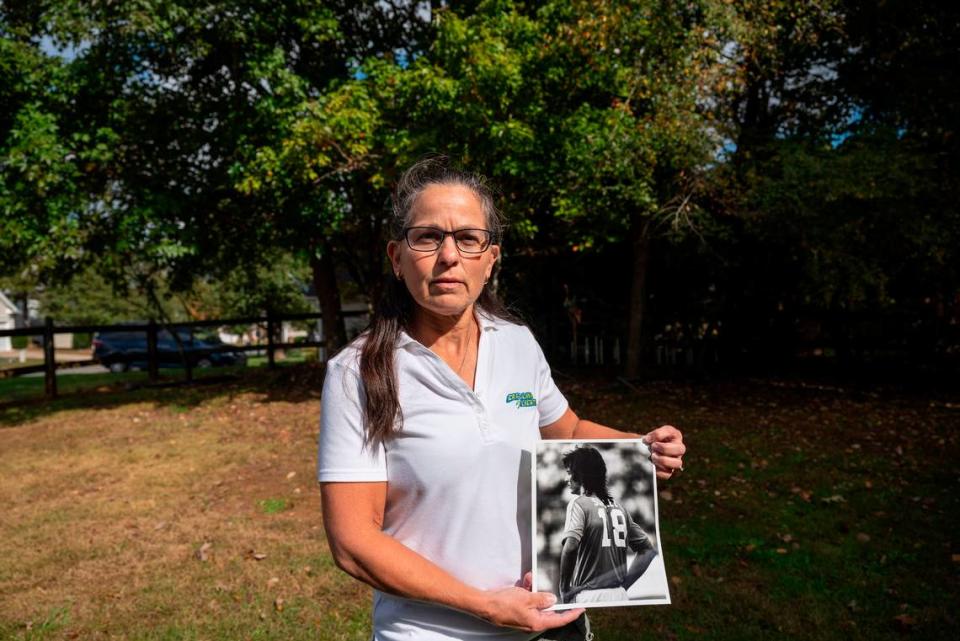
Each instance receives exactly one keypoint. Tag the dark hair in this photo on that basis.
(382, 417)
(586, 465)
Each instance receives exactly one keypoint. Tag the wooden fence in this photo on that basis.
(50, 366)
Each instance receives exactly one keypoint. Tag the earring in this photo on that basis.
(399, 276)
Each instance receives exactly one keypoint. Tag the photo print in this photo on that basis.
(596, 527)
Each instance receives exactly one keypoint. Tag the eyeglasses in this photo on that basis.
(429, 239)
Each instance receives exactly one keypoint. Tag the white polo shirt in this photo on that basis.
(458, 473)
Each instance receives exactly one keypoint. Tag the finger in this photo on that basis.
(675, 449)
(527, 583)
(666, 463)
(557, 619)
(663, 433)
(544, 600)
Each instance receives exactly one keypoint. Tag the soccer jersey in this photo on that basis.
(605, 531)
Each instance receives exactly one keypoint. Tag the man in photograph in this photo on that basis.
(598, 531)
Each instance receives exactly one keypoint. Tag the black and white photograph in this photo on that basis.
(596, 527)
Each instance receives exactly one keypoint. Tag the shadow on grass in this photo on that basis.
(288, 383)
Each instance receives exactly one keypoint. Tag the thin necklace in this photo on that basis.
(466, 351)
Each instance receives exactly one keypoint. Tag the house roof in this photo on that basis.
(5, 303)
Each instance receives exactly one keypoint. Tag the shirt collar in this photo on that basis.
(486, 322)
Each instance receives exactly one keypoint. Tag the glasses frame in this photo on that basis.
(443, 238)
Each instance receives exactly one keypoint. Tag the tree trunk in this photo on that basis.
(328, 294)
(640, 241)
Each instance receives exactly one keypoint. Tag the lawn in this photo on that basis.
(32, 387)
(187, 513)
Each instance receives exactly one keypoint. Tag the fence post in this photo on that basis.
(270, 330)
(187, 365)
(152, 349)
(49, 360)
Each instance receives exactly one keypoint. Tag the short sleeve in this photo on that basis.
(551, 402)
(635, 533)
(573, 529)
(342, 455)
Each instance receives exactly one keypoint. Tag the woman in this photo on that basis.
(427, 425)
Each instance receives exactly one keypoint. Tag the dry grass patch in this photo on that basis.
(108, 509)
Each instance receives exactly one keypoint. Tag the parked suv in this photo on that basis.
(127, 350)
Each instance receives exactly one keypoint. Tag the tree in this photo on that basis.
(50, 165)
(839, 176)
(586, 114)
(193, 95)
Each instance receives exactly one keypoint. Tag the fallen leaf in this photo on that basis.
(863, 537)
(201, 552)
(278, 604)
(904, 622)
(291, 475)
(666, 495)
(273, 581)
(836, 498)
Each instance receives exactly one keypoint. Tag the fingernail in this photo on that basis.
(551, 600)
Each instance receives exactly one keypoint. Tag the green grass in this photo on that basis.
(273, 506)
(46, 628)
(32, 387)
(23, 388)
(290, 357)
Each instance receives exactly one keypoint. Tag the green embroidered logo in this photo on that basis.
(522, 399)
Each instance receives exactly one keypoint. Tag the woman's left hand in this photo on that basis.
(667, 449)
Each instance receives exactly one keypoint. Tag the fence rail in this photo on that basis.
(151, 328)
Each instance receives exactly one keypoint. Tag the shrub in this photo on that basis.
(82, 341)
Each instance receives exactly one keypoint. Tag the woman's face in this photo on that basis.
(446, 281)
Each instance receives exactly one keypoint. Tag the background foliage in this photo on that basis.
(753, 168)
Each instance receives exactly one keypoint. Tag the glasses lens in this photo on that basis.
(424, 238)
(472, 241)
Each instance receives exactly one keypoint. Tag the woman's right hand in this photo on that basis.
(518, 607)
